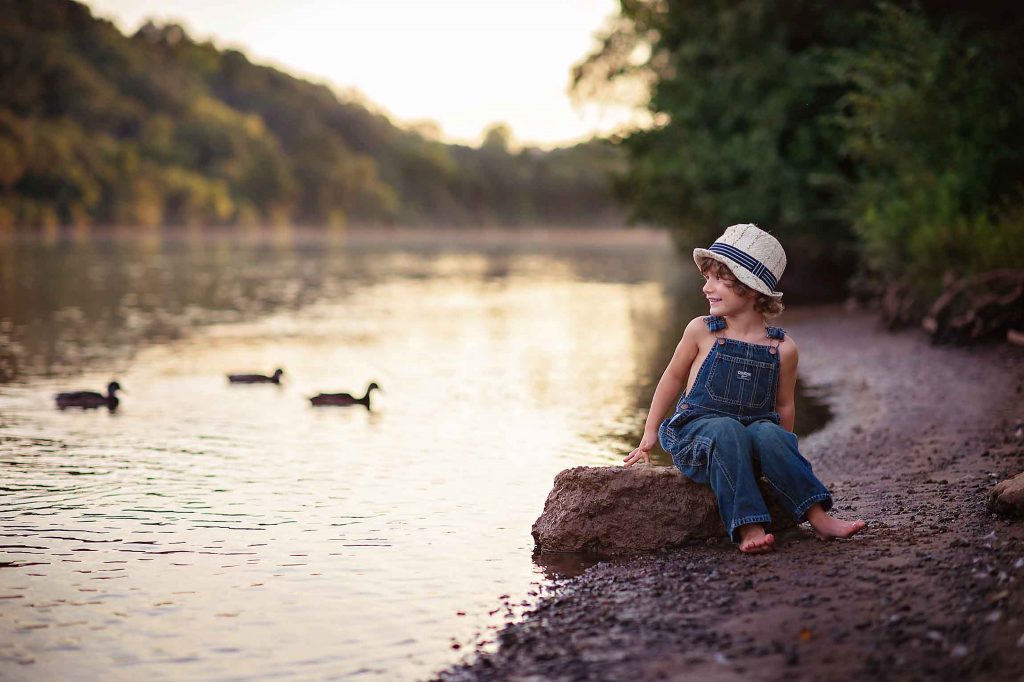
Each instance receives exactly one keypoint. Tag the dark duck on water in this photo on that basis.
(344, 399)
(256, 378)
(90, 399)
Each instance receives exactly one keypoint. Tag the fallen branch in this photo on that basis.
(978, 307)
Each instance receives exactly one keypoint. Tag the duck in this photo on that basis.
(275, 378)
(345, 399)
(90, 399)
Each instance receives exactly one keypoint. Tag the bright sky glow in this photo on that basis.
(463, 64)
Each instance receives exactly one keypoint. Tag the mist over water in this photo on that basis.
(215, 531)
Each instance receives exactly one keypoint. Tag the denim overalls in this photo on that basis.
(727, 428)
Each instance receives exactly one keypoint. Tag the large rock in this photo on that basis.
(1006, 498)
(620, 510)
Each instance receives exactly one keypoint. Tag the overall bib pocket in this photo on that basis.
(740, 381)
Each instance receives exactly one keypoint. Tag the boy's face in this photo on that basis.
(725, 295)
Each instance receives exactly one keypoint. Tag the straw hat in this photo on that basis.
(754, 256)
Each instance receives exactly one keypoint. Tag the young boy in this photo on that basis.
(736, 415)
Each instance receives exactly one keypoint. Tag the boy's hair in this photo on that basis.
(766, 305)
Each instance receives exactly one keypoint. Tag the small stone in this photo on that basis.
(959, 651)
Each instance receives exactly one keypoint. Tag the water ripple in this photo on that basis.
(227, 532)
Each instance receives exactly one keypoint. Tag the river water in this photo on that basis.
(219, 532)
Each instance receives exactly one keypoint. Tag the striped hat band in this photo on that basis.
(756, 267)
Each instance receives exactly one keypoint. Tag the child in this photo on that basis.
(736, 415)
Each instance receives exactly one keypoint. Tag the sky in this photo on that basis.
(462, 64)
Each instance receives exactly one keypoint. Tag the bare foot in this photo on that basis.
(827, 528)
(753, 539)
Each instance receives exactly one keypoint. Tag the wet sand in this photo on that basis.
(930, 590)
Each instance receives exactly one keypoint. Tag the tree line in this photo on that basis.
(883, 138)
(99, 128)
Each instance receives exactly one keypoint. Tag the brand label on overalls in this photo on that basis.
(743, 375)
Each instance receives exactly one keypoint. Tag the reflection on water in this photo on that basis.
(214, 531)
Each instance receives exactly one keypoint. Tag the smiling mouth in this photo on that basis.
(714, 300)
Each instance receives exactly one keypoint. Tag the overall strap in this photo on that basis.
(714, 323)
(777, 333)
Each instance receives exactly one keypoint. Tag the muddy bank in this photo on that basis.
(930, 590)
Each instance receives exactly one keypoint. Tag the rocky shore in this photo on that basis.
(930, 590)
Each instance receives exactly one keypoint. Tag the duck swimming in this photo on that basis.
(90, 399)
(256, 378)
(344, 399)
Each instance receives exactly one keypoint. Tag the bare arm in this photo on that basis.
(785, 401)
(671, 383)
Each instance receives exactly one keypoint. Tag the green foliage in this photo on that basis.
(895, 128)
(927, 119)
(99, 128)
(739, 94)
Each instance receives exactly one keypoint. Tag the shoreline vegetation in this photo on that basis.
(883, 141)
(443, 238)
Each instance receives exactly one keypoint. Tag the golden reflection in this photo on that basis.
(80, 232)
(50, 233)
(336, 235)
(282, 236)
(150, 239)
(499, 368)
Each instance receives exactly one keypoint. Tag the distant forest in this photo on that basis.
(98, 128)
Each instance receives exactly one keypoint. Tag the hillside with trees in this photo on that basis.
(98, 128)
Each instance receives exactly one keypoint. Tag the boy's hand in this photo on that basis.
(643, 451)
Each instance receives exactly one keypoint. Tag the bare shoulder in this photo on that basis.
(788, 350)
(695, 337)
(696, 331)
(688, 348)
(696, 325)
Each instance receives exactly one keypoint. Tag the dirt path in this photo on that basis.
(931, 590)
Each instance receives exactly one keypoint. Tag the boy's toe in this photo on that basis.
(758, 545)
